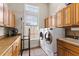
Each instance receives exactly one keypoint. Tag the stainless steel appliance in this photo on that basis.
(11, 31)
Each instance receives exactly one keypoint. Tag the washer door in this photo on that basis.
(48, 37)
(41, 35)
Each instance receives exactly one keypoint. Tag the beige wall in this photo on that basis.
(18, 8)
(19, 11)
(1, 31)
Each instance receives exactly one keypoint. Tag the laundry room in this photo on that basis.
(39, 29)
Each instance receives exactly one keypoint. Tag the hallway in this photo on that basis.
(35, 52)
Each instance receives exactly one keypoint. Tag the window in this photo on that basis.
(31, 8)
(31, 13)
(31, 19)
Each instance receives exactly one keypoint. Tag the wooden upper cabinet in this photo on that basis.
(67, 16)
(1, 14)
(74, 14)
(6, 16)
(46, 22)
(11, 19)
(77, 14)
(60, 18)
(49, 22)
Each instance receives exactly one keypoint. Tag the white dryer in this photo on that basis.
(51, 48)
(45, 44)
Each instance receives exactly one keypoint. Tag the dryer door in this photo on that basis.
(48, 37)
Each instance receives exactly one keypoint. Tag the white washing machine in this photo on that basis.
(51, 48)
(42, 39)
(45, 45)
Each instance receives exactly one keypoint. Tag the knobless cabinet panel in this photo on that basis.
(6, 15)
(77, 14)
(1, 14)
(66, 49)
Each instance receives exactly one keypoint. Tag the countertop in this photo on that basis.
(6, 42)
(70, 40)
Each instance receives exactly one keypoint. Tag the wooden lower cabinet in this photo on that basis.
(66, 49)
(14, 50)
(70, 53)
(8, 52)
(16, 47)
(60, 50)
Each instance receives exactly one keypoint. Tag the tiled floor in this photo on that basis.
(35, 52)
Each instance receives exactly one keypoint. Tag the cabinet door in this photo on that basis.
(60, 51)
(70, 53)
(77, 14)
(11, 19)
(51, 22)
(14, 52)
(53, 18)
(60, 19)
(8, 52)
(16, 47)
(6, 17)
(46, 23)
(1, 14)
(67, 16)
(14, 20)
